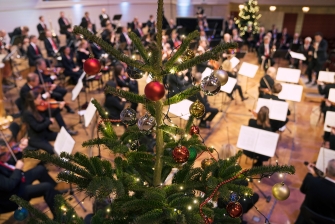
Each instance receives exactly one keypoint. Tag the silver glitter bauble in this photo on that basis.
(128, 116)
(210, 85)
(146, 123)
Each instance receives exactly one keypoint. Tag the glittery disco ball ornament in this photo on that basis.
(207, 162)
(154, 91)
(233, 197)
(146, 123)
(234, 209)
(189, 54)
(197, 109)
(128, 116)
(194, 130)
(134, 145)
(280, 191)
(222, 76)
(180, 154)
(20, 214)
(193, 153)
(92, 66)
(210, 85)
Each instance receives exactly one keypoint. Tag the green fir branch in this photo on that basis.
(182, 95)
(269, 170)
(139, 46)
(111, 50)
(189, 124)
(153, 217)
(182, 48)
(173, 130)
(132, 97)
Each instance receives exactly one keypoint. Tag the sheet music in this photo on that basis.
(149, 79)
(89, 113)
(278, 109)
(297, 55)
(258, 141)
(229, 86)
(181, 109)
(329, 121)
(82, 76)
(325, 155)
(234, 62)
(331, 95)
(248, 69)
(64, 142)
(326, 77)
(76, 90)
(290, 92)
(206, 73)
(288, 75)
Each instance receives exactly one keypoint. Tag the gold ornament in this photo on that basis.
(222, 76)
(280, 191)
(197, 109)
(207, 162)
(189, 54)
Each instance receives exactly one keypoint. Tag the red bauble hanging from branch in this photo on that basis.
(154, 91)
(92, 66)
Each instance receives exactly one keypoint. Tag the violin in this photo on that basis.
(46, 104)
(253, 113)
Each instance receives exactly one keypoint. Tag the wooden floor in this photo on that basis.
(300, 142)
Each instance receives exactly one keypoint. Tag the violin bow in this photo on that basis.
(45, 90)
(8, 146)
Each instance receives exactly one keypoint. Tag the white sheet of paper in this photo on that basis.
(76, 90)
(181, 109)
(64, 142)
(258, 141)
(248, 69)
(81, 112)
(326, 77)
(149, 79)
(325, 155)
(229, 86)
(329, 121)
(331, 95)
(206, 73)
(278, 109)
(82, 76)
(291, 92)
(234, 62)
(297, 55)
(89, 113)
(288, 75)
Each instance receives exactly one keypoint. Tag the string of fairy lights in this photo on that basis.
(248, 17)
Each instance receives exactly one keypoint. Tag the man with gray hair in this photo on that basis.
(307, 50)
(320, 192)
(267, 82)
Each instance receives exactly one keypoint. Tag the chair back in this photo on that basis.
(311, 217)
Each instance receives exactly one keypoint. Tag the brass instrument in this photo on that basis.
(52, 30)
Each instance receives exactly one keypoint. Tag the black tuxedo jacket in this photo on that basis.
(32, 56)
(322, 51)
(16, 32)
(10, 184)
(257, 37)
(137, 32)
(123, 38)
(304, 51)
(320, 194)
(261, 51)
(37, 129)
(84, 22)
(63, 27)
(48, 47)
(40, 28)
(68, 64)
(103, 20)
(326, 89)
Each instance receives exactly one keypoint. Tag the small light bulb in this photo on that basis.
(106, 112)
(175, 209)
(172, 71)
(137, 179)
(185, 135)
(195, 201)
(244, 199)
(259, 181)
(161, 184)
(181, 188)
(189, 207)
(280, 175)
(108, 210)
(117, 125)
(82, 202)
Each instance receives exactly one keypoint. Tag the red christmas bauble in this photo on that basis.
(180, 154)
(154, 91)
(194, 130)
(92, 66)
(234, 209)
(209, 220)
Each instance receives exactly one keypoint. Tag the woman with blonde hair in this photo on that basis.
(227, 66)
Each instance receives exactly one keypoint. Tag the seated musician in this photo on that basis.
(177, 82)
(16, 182)
(249, 38)
(124, 38)
(138, 30)
(124, 81)
(328, 137)
(235, 36)
(104, 17)
(174, 40)
(275, 124)
(82, 53)
(258, 37)
(264, 53)
(70, 68)
(324, 89)
(113, 104)
(65, 26)
(19, 31)
(267, 81)
(4, 41)
(210, 112)
(41, 26)
(226, 66)
(33, 51)
(45, 73)
(261, 122)
(108, 34)
(51, 44)
(283, 40)
(33, 83)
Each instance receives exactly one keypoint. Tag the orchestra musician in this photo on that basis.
(33, 51)
(319, 55)
(124, 38)
(283, 40)
(58, 92)
(51, 45)
(261, 122)
(258, 37)
(41, 26)
(229, 27)
(320, 192)
(267, 82)
(324, 89)
(70, 68)
(4, 41)
(274, 33)
(16, 182)
(177, 82)
(265, 53)
(82, 53)
(65, 26)
(235, 36)
(104, 17)
(85, 20)
(108, 34)
(151, 24)
(249, 38)
(113, 104)
(138, 30)
(19, 31)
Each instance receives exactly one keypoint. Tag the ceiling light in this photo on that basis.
(241, 6)
(272, 8)
(305, 9)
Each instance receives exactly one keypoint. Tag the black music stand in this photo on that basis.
(117, 17)
(280, 54)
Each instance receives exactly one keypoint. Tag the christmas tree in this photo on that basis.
(248, 17)
(133, 188)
